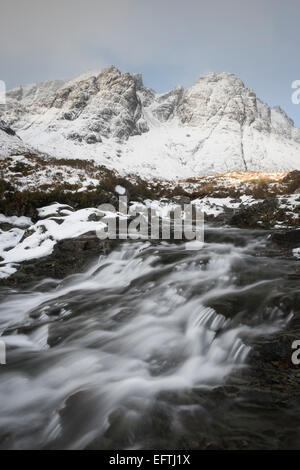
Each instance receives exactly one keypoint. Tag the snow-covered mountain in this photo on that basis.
(214, 126)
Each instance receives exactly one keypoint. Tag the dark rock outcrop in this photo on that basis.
(4, 127)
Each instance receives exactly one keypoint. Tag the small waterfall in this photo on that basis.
(141, 322)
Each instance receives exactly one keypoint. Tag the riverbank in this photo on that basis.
(50, 210)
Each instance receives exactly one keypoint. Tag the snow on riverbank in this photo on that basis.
(17, 245)
(21, 240)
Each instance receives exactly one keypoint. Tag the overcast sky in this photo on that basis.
(169, 41)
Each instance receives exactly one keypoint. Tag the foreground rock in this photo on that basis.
(289, 238)
(69, 256)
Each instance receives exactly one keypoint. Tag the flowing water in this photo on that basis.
(130, 353)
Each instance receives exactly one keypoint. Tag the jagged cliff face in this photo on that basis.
(243, 131)
(85, 109)
(105, 104)
(215, 125)
(223, 99)
(10, 143)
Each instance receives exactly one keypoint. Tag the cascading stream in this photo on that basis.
(94, 359)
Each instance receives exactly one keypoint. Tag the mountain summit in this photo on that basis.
(216, 125)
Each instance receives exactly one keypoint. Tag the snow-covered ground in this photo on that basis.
(168, 151)
(26, 172)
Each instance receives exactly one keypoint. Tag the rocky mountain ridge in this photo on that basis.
(215, 125)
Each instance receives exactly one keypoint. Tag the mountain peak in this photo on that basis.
(215, 125)
(219, 76)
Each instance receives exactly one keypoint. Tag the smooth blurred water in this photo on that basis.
(109, 357)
